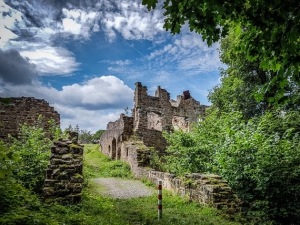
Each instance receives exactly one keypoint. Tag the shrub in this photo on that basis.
(260, 158)
(33, 147)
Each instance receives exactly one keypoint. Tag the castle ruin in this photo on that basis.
(150, 116)
(130, 138)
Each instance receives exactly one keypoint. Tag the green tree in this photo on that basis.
(240, 81)
(69, 128)
(98, 134)
(268, 31)
(85, 136)
(76, 128)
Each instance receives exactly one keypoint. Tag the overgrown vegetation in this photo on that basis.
(142, 210)
(33, 149)
(251, 133)
(98, 165)
(20, 191)
(260, 158)
(84, 136)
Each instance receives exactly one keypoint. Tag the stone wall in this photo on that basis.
(150, 116)
(208, 189)
(160, 113)
(24, 110)
(116, 133)
(64, 177)
(130, 139)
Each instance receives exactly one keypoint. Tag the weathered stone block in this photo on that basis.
(48, 191)
(76, 150)
(60, 161)
(50, 182)
(63, 176)
(62, 192)
(75, 187)
(77, 178)
(67, 156)
(60, 150)
(61, 143)
(49, 172)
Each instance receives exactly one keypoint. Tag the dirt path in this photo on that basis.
(119, 188)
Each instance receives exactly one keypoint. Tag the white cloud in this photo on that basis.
(133, 21)
(80, 22)
(117, 62)
(188, 53)
(9, 19)
(91, 104)
(86, 119)
(98, 93)
(69, 25)
(48, 59)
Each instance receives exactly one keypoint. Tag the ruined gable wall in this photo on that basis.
(153, 114)
(24, 110)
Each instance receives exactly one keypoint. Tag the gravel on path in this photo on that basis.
(122, 189)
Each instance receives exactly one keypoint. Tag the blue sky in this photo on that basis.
(85, 56)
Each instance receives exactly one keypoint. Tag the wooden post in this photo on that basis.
(159, 199)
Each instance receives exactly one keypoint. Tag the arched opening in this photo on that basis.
(119, 153)
(114, 149)
(119, 147)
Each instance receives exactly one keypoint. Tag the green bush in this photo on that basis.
(33, 146)
(260, 158)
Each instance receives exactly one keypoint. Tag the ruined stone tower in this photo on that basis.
(150, 116)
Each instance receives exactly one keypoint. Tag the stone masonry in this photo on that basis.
(64, 177)
(131, 139)
(208, 189)
(24, 110)
(150, 116)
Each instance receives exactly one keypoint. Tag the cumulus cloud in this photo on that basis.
(91, 104)
(86, 119)
(9, 18)
(30, 30)
(105, 92)
(98, 93)
(49, 60)
(15, 69)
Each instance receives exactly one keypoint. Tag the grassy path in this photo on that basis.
(142, 210)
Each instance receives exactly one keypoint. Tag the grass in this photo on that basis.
(143, 210)
(97, 210)
(97, 164)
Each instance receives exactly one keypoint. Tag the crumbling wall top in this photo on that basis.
(15, 111)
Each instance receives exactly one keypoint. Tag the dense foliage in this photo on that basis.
(260, 158)
(251, 135)
(268, 33)
(241, 81)
(33, 148)
(20, 206)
